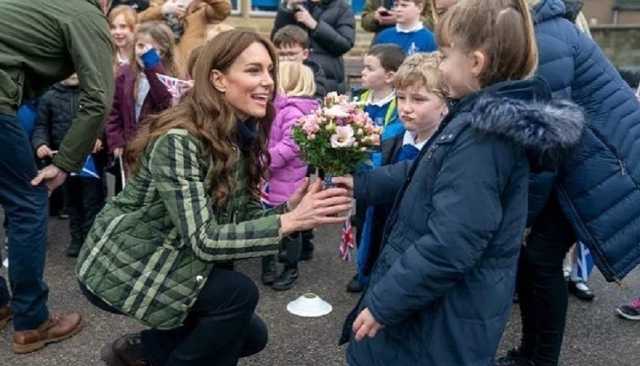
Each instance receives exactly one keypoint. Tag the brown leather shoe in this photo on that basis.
(5, 316)
(58, 328)
(125, 351)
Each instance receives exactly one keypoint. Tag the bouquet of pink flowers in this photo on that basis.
(336, 137)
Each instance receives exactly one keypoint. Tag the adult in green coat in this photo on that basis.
(43, 42)
(154, 251)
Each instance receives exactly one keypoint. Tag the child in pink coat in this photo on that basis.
(287, 170)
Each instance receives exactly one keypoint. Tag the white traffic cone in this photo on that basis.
(309, 305)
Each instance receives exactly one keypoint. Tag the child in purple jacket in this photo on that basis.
(287, 171)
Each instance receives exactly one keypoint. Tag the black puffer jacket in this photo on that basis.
(57, 108)
(333, 37)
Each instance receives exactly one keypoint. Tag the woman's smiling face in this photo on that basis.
(248, 84)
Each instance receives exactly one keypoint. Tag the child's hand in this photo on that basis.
(97, 146)
(304, 17)
(294, 4)
(345, 182)
(44, 152)
(174, 7)
(117, 152)
(366, 325)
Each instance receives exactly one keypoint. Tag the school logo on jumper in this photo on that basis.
(413, 49)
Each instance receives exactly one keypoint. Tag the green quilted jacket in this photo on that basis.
(152, 247)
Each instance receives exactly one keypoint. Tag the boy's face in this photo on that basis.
(407, 12)
(292, 52)
(419, 110)
(374, 76)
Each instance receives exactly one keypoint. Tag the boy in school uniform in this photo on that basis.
(409, 33)
(292, 43)
(379, 98)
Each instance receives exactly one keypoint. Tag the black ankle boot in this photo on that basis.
(125, 351)
(354, 286)
(307, 246)
(268, 270)
(73, 250)
(286, 280)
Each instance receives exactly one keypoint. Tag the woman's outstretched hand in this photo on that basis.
(317, 207)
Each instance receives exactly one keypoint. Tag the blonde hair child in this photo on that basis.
(122, 22)
(295, 79)
(287, 170)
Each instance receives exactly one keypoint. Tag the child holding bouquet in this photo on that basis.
(379, 98)
(440, 292)
(139, 92)
(296, 88)
(421, 106)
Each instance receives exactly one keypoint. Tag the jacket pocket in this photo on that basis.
(11, 88)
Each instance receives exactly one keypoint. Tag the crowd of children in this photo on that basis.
(463, 120)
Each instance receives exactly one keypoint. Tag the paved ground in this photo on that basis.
(594, 336)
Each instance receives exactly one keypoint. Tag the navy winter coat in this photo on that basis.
(598, 186)
(444, 281)
(334, 36)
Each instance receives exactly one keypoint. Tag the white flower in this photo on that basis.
(343, 137)
(337, 111)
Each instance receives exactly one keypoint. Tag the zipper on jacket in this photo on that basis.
(623, 171)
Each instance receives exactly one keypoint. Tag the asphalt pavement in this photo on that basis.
(594, 337)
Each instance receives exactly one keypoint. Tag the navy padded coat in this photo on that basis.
(444, 281)
(598, 185)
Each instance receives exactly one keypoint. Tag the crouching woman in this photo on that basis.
(192, 201)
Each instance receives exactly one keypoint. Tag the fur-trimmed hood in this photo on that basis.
(523, 112)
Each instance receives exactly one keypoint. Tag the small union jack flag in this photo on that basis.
(347, 242)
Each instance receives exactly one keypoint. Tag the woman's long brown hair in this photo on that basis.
(206, 115)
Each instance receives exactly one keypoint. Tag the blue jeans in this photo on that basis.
(25, 207)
